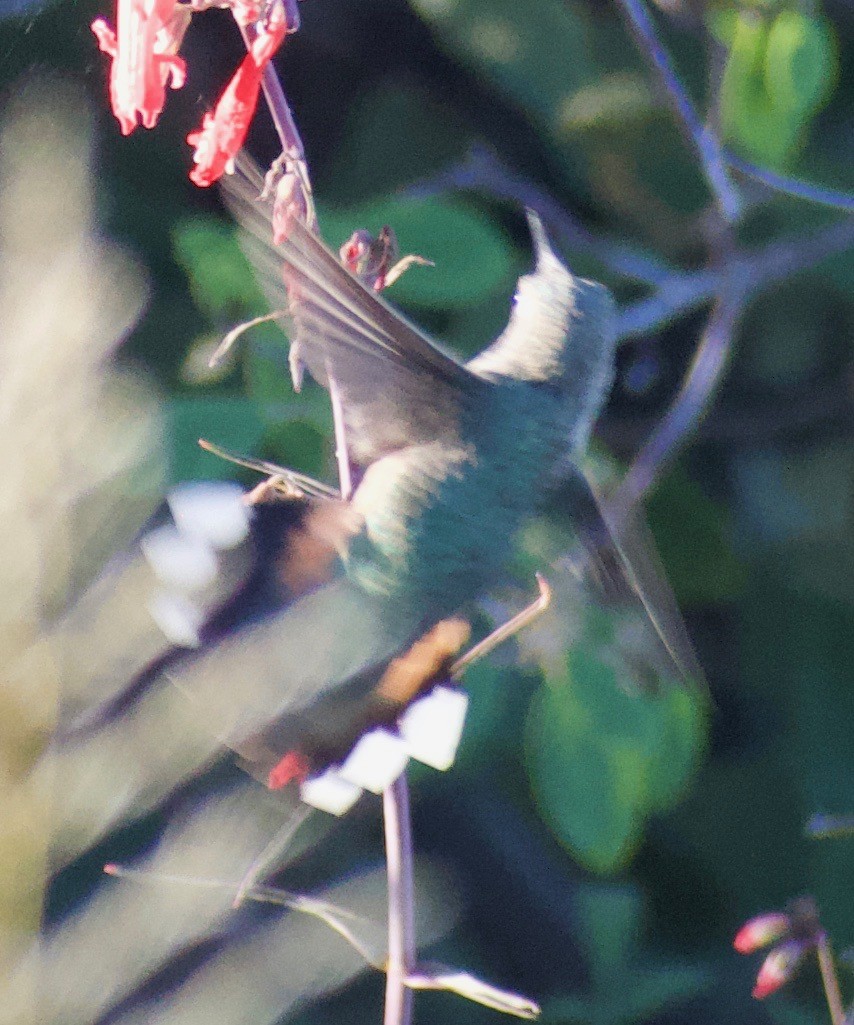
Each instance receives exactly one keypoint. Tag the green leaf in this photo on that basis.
(220, 278)
(682, 739)
(588, 802)
(472, 258)
(693, 536)
(298, 444)
(748, 115)
(233, 423)
(609, 927)
(800, 61)
(600, 759)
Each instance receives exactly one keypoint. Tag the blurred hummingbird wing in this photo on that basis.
(397, 386)
(619, 563)
(215, 568)
(289, 661)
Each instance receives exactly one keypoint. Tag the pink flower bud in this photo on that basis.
(761, 930)
(290, 203)
(779, 967)
(370, 258)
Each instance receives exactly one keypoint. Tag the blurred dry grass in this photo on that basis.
(79, 451)
(81, 461)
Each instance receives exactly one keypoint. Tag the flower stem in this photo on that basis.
(830, 981)
(401, 935)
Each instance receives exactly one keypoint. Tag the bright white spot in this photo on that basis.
(211, 511)
(178, 618)
(180, 561)
(433, 726)
(330, 793)
(376, 761)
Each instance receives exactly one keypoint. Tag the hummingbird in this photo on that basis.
(450, 459)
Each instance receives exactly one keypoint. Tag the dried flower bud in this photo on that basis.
(370, 258)
(761, 931)
(290, 203)
(779, 966)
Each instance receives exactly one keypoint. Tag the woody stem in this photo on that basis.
(830, 981)
(401, 933)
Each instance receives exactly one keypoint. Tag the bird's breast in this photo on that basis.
(440, 519)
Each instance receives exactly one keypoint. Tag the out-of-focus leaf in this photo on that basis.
(778, 74)
(219, 276)
(612, 102)
(231, 422)
(583, 791)
(396, 135)
(473, 259)
(610, 919)
(693, 537)
(299, 444)
(610, 922)
(539, 55)
(800, 61)
(747, 114)
(683, 732)
(601, 760)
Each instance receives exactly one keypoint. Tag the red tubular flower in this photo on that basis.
(222, 133)
(779, 967)
(761, 930)
(145, 60)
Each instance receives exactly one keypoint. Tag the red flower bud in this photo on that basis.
(760, 931)
(779, 967)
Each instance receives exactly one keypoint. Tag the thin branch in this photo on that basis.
(830, 981)
(483, 171)
(693, 399)
(792, 186)
(704, 141)
(293, 151)
(757, 269)
(401, 932)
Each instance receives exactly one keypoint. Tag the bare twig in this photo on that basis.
(693, 399)
(703, 139)
(792, 186)
(758, 268)
(482, 170)
(401, 933)
(829, 980)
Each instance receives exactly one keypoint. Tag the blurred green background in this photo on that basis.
(606, 848)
